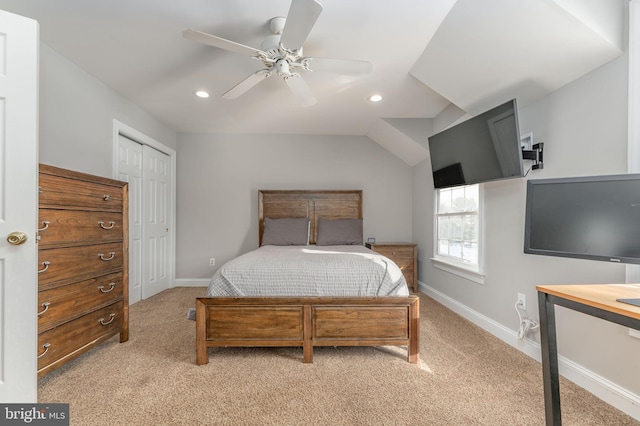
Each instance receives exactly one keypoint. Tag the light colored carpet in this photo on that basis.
(466, 377)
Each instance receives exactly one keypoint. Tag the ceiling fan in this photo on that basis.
(282, 52)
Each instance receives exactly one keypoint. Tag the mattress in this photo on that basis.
(338, 271)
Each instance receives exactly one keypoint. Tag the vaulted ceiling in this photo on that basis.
(434, 61)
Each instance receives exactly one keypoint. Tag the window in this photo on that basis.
(458, 242)
(633, 155)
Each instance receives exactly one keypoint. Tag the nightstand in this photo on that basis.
(405, 255)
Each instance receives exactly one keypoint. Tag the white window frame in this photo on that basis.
(472, 272)
(632, 272)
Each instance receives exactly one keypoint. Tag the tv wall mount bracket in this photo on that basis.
(534, 155)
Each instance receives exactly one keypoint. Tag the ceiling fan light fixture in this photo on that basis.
(375, 98)
(270, 43)
(201, 94)
(282, 68)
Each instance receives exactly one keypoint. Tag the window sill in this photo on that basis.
(458, 270)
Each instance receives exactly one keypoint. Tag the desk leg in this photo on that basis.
(550, 374)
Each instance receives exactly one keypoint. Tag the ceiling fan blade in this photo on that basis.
(246, 84)
(222, 43)
(301, 18)
(339, 66)
(300, 88)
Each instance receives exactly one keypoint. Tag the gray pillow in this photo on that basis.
(285, 232)
(339, 232)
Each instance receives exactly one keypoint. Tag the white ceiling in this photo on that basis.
(427, 55)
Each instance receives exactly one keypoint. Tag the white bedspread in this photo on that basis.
(345, 271)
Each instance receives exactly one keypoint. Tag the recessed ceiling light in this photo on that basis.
(375, 98)
(201, 94)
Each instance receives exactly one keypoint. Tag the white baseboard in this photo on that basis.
(192, 282)
(604, 389)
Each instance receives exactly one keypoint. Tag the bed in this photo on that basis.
(380, 312)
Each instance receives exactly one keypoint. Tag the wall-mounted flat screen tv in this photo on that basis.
(596, 217)
(483, 148)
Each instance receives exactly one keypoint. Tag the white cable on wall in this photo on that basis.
(526, 324)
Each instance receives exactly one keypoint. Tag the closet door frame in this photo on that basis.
(120, 128)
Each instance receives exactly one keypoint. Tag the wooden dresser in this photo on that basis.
(83, 291)
(405, 255)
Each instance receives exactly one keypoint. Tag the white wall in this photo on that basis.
(584, 128)
(219, 177)
(76, 117)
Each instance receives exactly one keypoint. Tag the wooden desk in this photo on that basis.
(598, 300)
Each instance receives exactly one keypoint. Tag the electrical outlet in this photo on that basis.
(522, 301)
(212, 261)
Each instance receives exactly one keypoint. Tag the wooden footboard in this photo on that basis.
(307, 322)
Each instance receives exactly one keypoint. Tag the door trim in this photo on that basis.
(120, 128)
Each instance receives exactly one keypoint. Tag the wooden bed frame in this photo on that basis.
(307, 321)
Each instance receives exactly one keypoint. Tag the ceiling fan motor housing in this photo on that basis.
(276, 25)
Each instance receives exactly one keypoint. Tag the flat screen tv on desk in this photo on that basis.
(483, 148)
(591, 217)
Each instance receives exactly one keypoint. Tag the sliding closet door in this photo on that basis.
(130, 170)
(156, 178)
(149, 174)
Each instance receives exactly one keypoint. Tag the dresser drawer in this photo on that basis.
(72, 336)
(400, 255)
(64, 227)
(67, 193)
(407, 271)
(77, 263)
(64, 303)
(409, 275)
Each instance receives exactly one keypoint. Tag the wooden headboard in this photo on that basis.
(328, 204)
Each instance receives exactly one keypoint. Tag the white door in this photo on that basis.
(130, 170)
(150, 176)
(156, 178)
(18, 207)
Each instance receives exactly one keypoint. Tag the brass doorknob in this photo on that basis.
(17, 238)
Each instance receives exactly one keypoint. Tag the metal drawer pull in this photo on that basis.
(111, 287)
(106, 197)
(46, 349)
(46, 226)
(46, 266)
(111, 318)
(45, 305)
(111, 225)
(112, 254)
